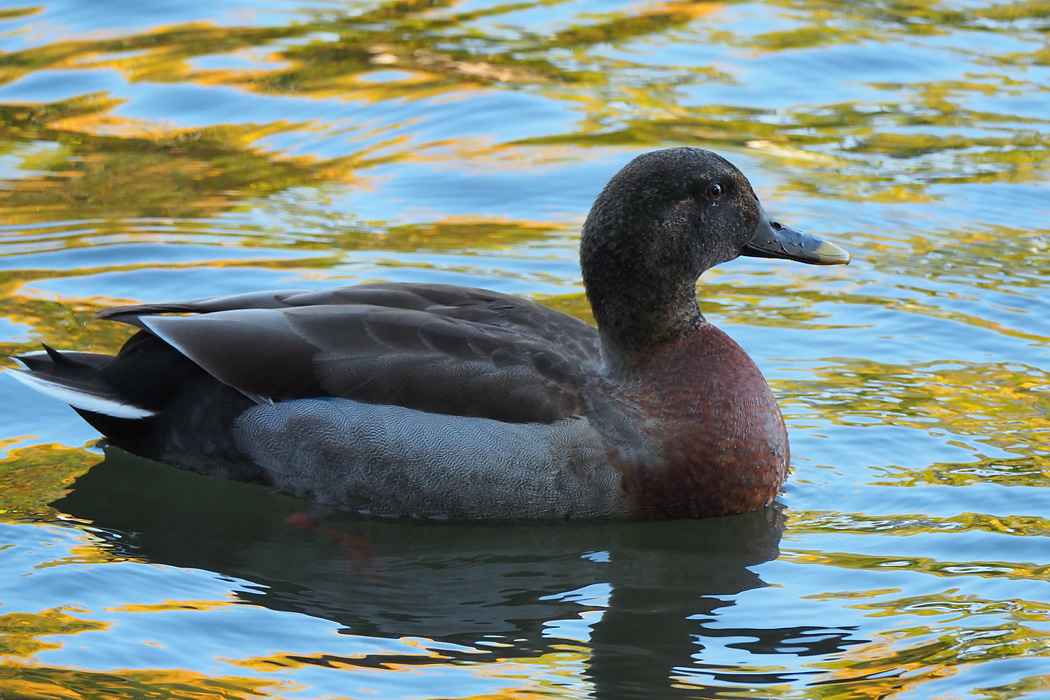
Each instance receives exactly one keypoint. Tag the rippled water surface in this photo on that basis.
(156, 151)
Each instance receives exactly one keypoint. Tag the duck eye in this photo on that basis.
(714, 190)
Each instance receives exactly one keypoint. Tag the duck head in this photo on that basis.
(661, 221)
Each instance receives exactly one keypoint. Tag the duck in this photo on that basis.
(433, 401)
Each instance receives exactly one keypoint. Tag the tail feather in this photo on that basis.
(72, 378)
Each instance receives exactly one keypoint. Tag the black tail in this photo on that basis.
(76, 378)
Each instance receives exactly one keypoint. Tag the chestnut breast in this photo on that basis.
(717, 442)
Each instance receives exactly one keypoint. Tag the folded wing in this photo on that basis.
(434, 348)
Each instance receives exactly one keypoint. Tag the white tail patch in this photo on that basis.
(80, 399)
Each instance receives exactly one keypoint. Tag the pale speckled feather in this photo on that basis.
(393, 461)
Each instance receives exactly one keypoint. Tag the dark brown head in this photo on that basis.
(663, 220)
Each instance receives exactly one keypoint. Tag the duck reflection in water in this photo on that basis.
(637, 597)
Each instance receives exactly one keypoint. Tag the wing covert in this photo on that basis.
(429, 347)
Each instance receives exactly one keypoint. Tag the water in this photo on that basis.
(161, 151)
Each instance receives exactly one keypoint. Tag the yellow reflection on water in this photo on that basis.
(19, 680)
(33, 477)
(172, 605)
(148, 173)
(882, 669)
(1004, 406)
(20, 633)
(926, 565)
(903, 525)
(519, 678)
(956, 637)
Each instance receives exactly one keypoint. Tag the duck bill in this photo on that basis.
(774, 240)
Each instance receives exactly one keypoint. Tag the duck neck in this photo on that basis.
(640, 259)
(636, 321)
